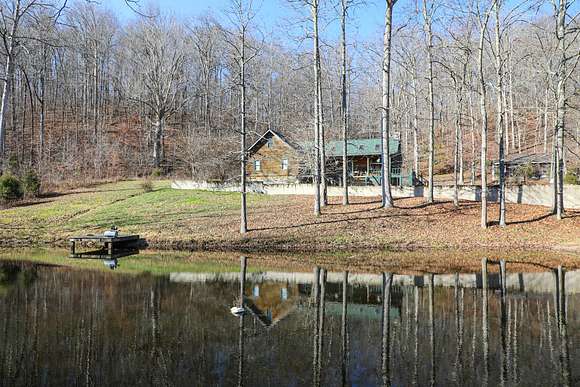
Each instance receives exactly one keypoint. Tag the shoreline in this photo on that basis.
(416, 262)
(248, 245)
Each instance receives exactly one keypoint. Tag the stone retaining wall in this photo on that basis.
(525, 194)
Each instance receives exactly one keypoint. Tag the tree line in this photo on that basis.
(461, 84)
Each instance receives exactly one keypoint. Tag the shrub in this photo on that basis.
(525, 171)
(10, 188)
(157, 172)
(572, 178)
(147, 185)
(31, 183)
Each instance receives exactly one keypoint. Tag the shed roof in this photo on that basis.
(355, 147)
(363, 147)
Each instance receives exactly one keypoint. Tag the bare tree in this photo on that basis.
(206, 43)
(156, 57)
(242, 14)
(13, 14)
(564, 70)
(428, 12)
(500, 113)
(483, 16)
(314, 9)
(344, 7)
(387, 198)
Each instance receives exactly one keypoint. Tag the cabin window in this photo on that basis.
(270, 142)
(257, 165)
(284, 164)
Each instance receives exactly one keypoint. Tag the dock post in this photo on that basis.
(72, 248)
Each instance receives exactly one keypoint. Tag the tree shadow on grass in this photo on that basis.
(355, 212)
(355, 203)
(535, 264)
(24, 203)
(347, 220)
(571, 214)
(525, 221)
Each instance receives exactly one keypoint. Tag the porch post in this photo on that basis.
(368, 166)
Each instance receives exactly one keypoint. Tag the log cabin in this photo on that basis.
(274, 158)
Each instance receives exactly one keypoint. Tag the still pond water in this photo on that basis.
(69, 327)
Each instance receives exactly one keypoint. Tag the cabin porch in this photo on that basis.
(365, 170)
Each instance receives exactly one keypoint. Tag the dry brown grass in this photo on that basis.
(289, 224)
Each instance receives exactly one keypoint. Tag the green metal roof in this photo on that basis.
(363, 147)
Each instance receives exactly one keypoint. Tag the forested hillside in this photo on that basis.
(88, 96)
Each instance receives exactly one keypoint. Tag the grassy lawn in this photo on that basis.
(124, 204)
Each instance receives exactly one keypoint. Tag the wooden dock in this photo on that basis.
(111, 247)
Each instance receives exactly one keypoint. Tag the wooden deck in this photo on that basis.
(112, 247)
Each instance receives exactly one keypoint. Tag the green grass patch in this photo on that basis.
(161, 211)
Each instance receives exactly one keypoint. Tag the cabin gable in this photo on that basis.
(272, 159)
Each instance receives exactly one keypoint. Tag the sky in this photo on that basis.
(273, 15)
(276, 18)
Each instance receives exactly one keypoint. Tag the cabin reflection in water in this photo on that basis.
(271, 302)
(67, 327)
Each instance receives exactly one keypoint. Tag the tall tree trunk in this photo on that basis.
(9, 71)
(242, 59)
(483, 110)
(460, 162)
(415, 122)
(42, 120)
(473, 152)
(95, 95)
(158, 140)
(387, 199)
(500, 115)
(546, 117)
(321, 132)
(456, 167)
(428, 30)
(206, 104)
(343, 105)
(561, 107)
(317, 153)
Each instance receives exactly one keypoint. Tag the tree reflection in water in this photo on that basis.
(67, 327)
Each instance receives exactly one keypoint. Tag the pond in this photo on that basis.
(63, 326)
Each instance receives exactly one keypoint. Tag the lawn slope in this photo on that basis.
(202, 220)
